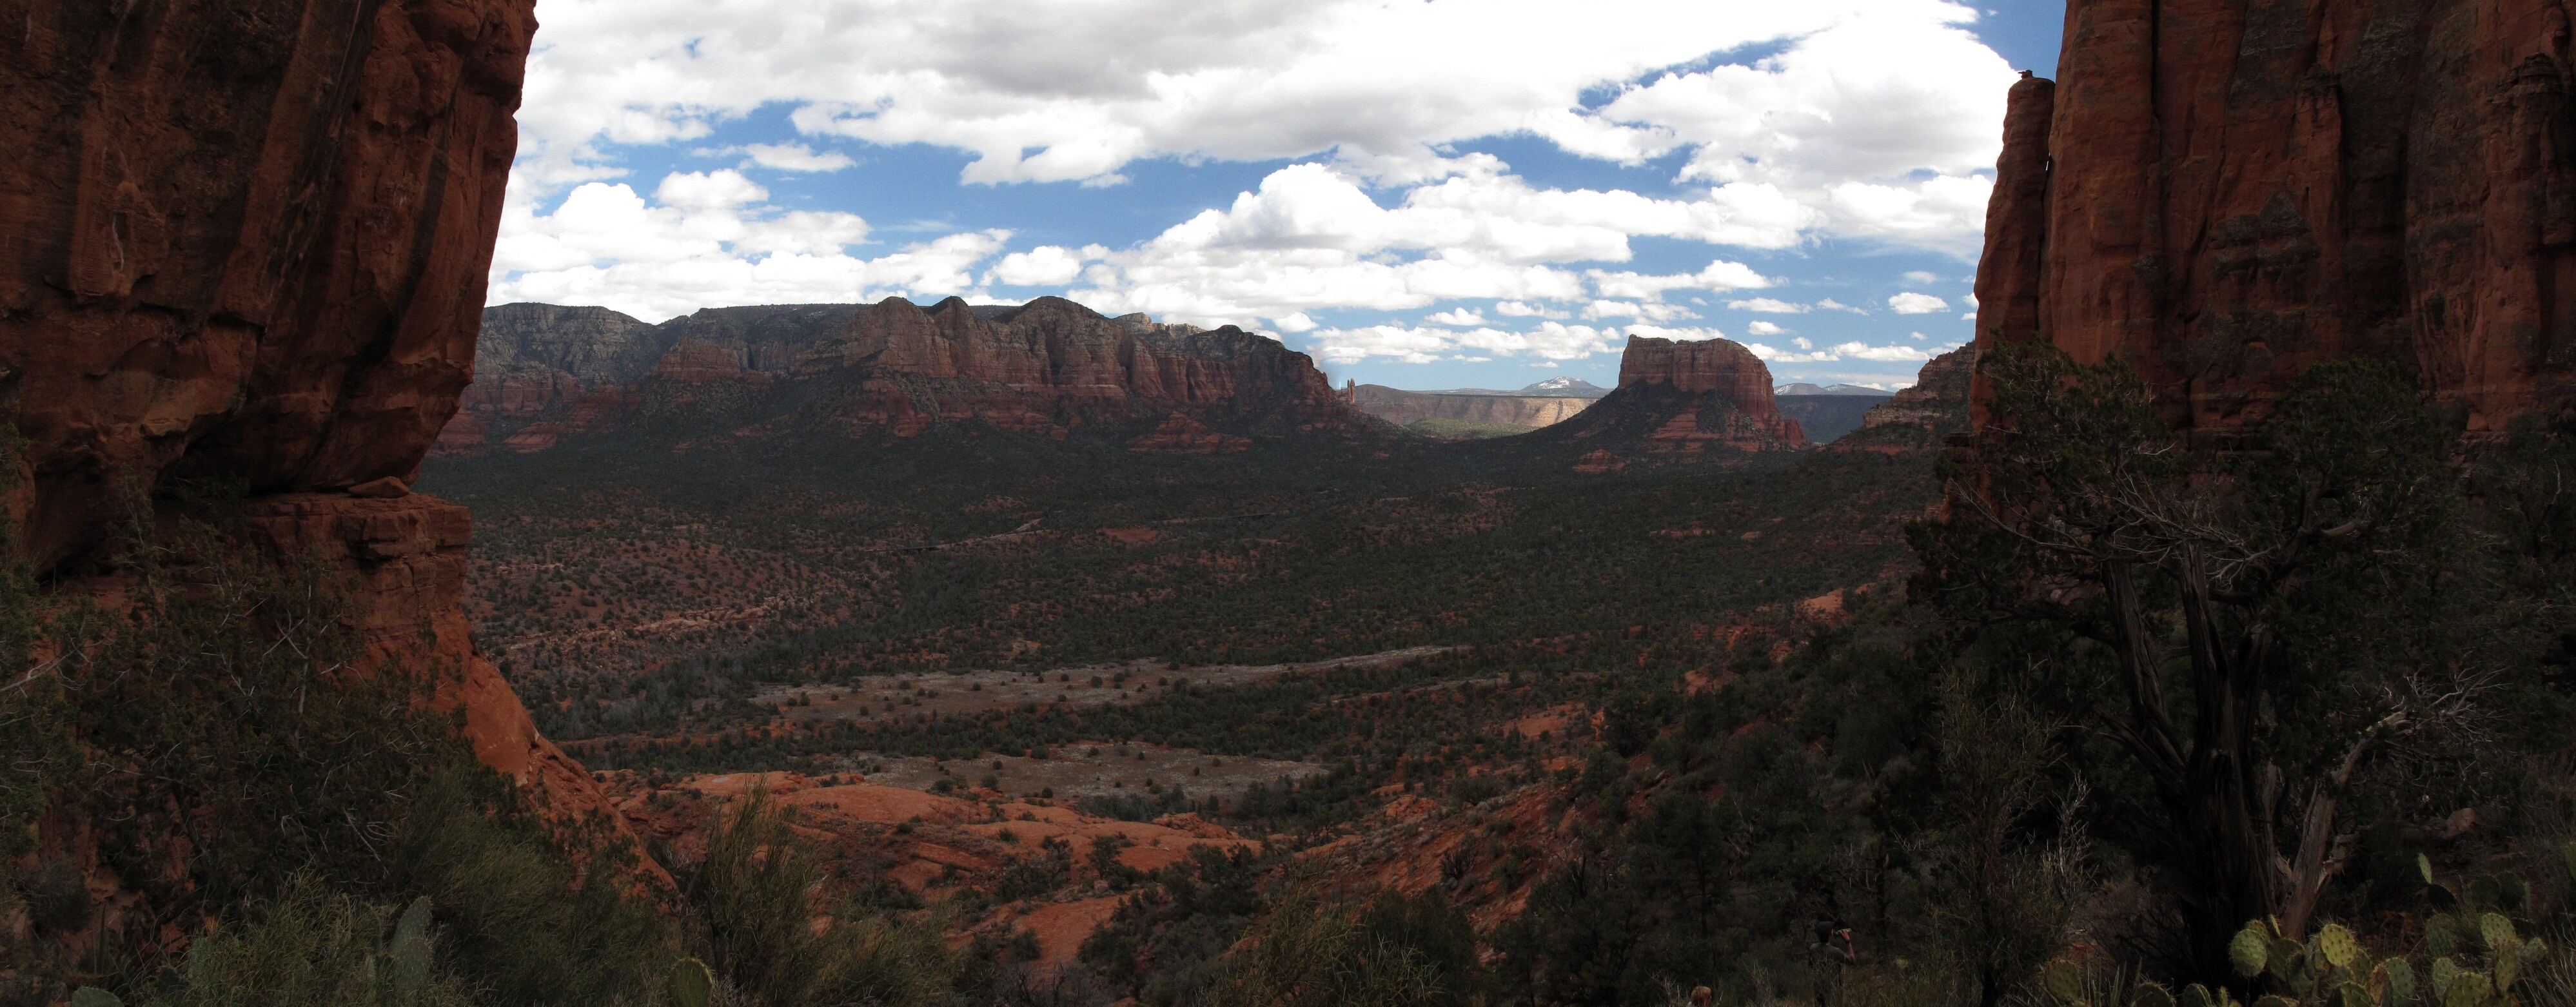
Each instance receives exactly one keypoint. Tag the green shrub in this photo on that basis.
(528, 923)
(307, 945)
(752, 914)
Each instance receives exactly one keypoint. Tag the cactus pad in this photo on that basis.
(2288, 958)
(92, 996)
(2150, 995)
(691, 984)
(2401, 980)
(2496, 931)
(2249, 951)
(2064, 979)
(411, 949)
(2338, 945)
(2468, 989)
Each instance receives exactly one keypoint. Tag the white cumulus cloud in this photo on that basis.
(1421, 344)
(1044, 266)
(704, 240)
(1868, 120)
(1911, 303)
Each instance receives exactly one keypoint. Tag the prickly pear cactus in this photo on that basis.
(2150, 995)
(411, 950)
(691, 984)
(2064, 980)
(2396, 978)
(92, 996)
(2338, 946)
(2469, 989)
(2250, 951)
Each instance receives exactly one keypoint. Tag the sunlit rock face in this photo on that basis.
(894, 368)
(1688, 396)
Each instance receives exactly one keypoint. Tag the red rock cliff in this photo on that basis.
(248, 240)
(1053, 365)
(1048, 367)
(1683, 396)
(2226, 192)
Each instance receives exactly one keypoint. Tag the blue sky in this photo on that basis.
(1433, 194)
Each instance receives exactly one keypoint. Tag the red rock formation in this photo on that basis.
(248, 241)
(1048, 368)
(2236, 191)
(1918, 418)
(1692, 367)
(245, 239)
(536, 363)
(1053, 364)
(1683, 396)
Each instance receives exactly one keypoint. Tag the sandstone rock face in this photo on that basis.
(1686, 396)
(543, 372)
(531, 359)
(1054, 365)
(1050, 367)
(1918, 418)
(242, 239)
(2225, 193)
(1528, 412)
(247, 241)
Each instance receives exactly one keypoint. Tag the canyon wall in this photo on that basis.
(1050, 367)
(245, 243)
(1528, 412)
(1684, 396)
(2224, 193)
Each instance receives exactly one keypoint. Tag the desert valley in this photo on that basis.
(2199, 631)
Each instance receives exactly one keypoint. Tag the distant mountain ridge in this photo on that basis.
(1455, 414)
(1560, 386)
(1049, 367)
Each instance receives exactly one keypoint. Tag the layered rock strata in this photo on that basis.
(245, 243)
(2224, 193)
(1050, 367)
(543, 372)
(1682, 396)
(1528, 412)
